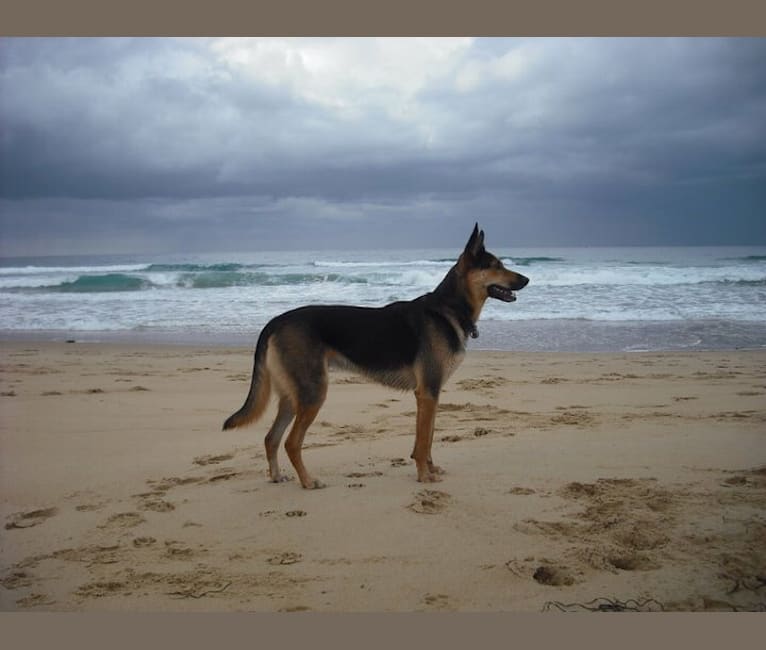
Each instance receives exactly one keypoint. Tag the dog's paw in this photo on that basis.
(314, 484)
(429, 478)
(435, 469)
(281, 478)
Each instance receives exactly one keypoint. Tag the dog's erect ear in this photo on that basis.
(475, 243)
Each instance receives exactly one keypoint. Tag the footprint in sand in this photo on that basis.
(17, 580)
(212, 460)
(482, 383)
(88, 555)
(630, 561)
(573, 418)
(30, 519)
(89, 507)
(349, 432)
(751, 478)
(223, 476)
(523, 491)
(165, 484)
(430, 502)
(438, 601)
(552, 575)
(285, 558)
(156, 505)
(177, 550)
(100, 589)
(362, 474)
(123, 520)
(625, 521)
(520, 568)
(35, 600)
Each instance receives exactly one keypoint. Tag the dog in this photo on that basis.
(407, 345)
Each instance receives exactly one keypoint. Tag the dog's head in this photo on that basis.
(485, 274)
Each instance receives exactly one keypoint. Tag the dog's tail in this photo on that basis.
(260, 388)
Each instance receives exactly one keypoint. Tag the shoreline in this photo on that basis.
(570, 477)
(508, 336)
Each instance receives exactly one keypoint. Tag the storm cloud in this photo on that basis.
(131, 145)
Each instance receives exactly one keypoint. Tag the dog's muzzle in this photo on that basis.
(506, 293)
(501, 293)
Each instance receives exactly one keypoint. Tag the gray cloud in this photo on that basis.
(176, 144)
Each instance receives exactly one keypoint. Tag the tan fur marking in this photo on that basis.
(274, 436)
(423, 437)
(477, 291)
(279, 377)
(441, 356)
(294, 444)
(257, 400)
(479, 280)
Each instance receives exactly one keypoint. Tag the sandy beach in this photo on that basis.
(574, 481)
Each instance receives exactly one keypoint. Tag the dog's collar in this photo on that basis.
(468, 327)
(463, 322)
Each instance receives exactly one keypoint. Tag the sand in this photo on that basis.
(574, 482)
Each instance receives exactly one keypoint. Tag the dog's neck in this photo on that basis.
(466, 324)
(449, 294)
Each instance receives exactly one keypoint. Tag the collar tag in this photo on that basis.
(474, 332)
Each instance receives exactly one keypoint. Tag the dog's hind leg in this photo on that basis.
(294, 444)
(299, 367)
(284, 415)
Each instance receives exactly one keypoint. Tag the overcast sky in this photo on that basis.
(154, 145)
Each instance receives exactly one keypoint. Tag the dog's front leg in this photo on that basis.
(424, 431)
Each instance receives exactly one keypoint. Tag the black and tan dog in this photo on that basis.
(408, 345)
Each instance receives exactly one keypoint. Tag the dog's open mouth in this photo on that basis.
(501, 293)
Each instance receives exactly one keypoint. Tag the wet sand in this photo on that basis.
(574, 481)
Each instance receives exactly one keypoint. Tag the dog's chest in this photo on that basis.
(452, 364)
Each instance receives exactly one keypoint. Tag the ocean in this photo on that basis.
(578, 299)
